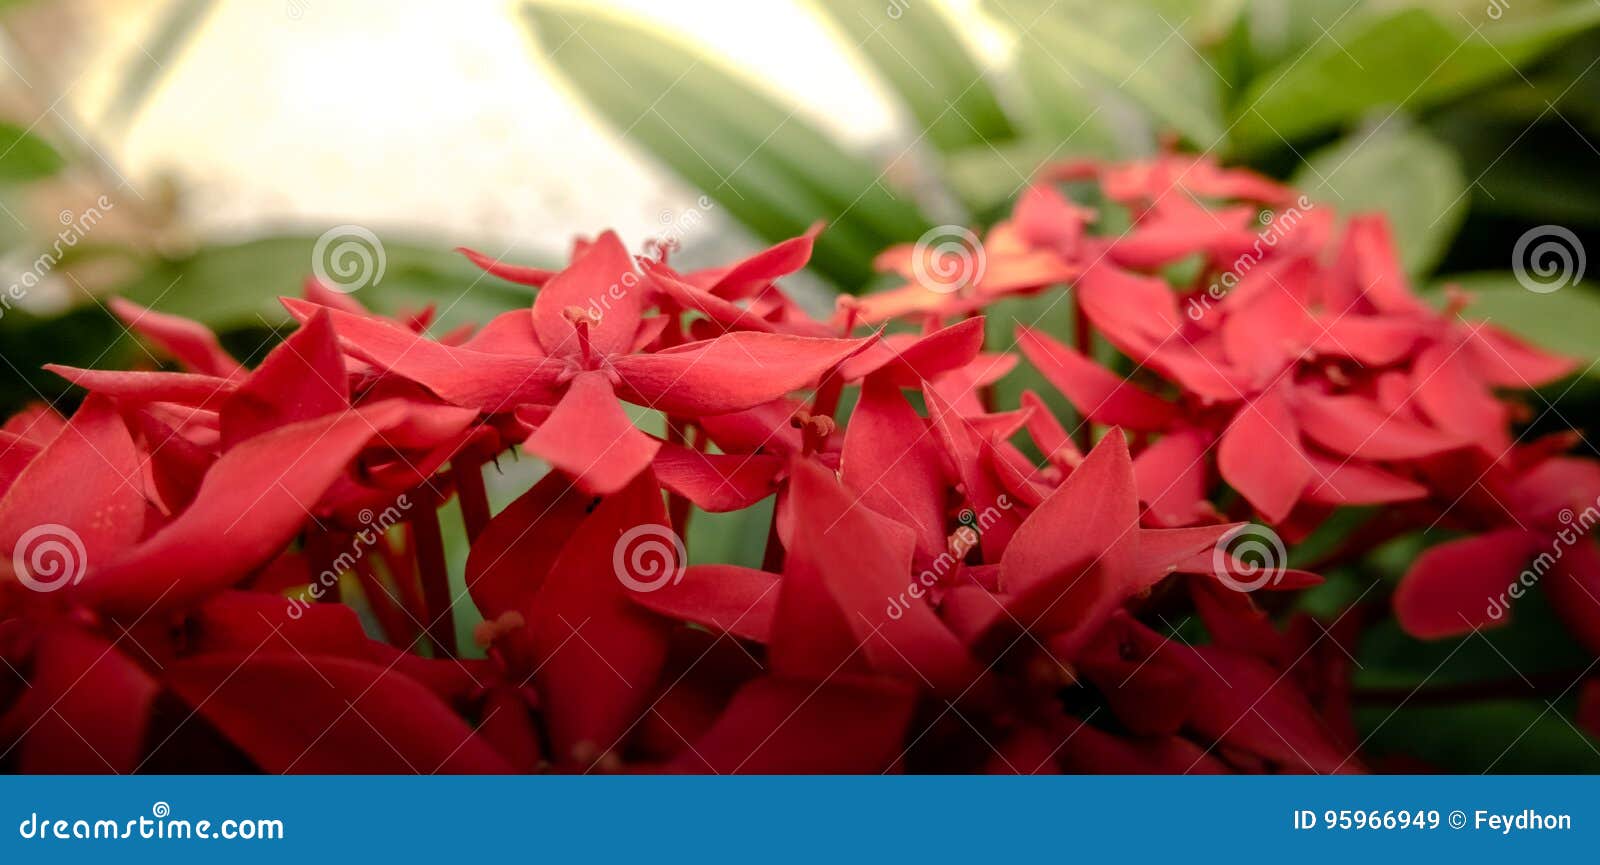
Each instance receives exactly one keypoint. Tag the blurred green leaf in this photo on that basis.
(238, 285)
(155, 56)
(1500, 736)
(764, 162)
(1407, 58)
(1401, 170)
(25, 156)
(1133, 49)
(912, 46)
(1564, 321)
(1280, 29)
(988, 177)
(1533, 643)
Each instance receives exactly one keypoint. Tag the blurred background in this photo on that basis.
(204, 157)
(208, 144)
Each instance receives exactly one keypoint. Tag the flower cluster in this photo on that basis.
(947, 584)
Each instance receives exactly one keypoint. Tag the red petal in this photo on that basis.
(313, 714)
(87, 707)
(301, 379)
(598, 654)
(1065, 580)
(534, 276)
(1355, 426)
(717, 483)
(190, 342)
(840, 558)
(892, 463)
(84, 487)
(1458, 402)
(1344, 482)
(190, 389)
(775, 726)
(251, 504)
(602, 282)
(731, 373)
(1093, 390)
(740, 601)
(489, 382)
(1172, 476)
(1260, 455)
(1463, 584)
(590, 437)
(905, 359)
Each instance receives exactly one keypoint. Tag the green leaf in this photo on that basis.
(913, 48)
(25, 156)
(1131, 48)
(1500, 736)
(155, 57)
(1401, 170)
(989, 177)
(762, 161)
(238, 285)
(1564, 321)
(1408, 58)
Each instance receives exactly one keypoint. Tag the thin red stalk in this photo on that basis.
(320, 551)
(402, 574)
(397, 629)
(677, 506)
(435, 578)
(468, 474)
(1083, 341)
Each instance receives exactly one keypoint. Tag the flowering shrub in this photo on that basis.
(947, 585)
